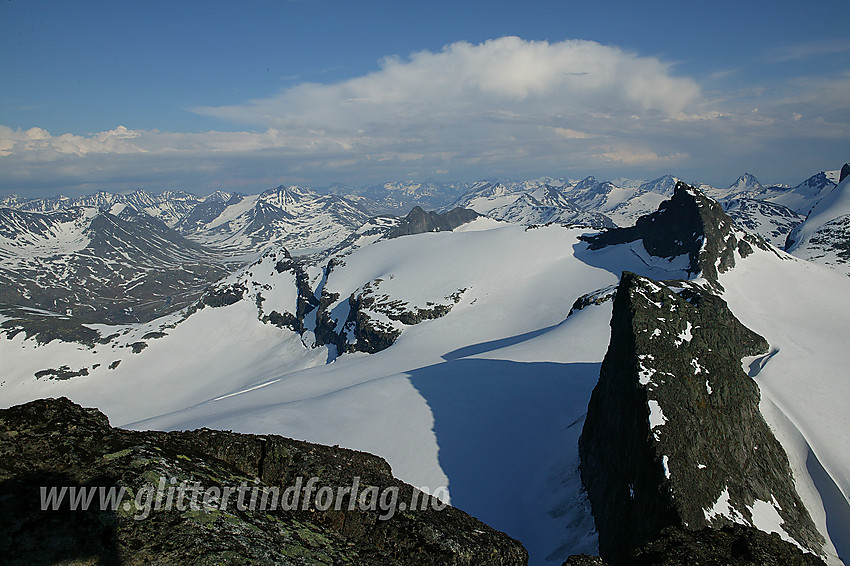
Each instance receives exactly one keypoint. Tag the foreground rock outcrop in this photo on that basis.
(54, 443)
(732, 545)
(673, 435)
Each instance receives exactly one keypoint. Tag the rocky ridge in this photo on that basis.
(418, 221)
(673, 434)
(688, 224)
(731, 545)
(56, 443)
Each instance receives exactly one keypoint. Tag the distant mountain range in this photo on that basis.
(122, 257)
(614, 360)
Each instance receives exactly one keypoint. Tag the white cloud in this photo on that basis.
(534, 79)
(505, 107)
(40, 141)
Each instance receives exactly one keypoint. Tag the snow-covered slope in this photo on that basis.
(770, 220)
(299, 219)
(803, 311)
(626, 205)
(824, 237)
(99, 266)
(483, 367)
(484, 196)
(487, 398)
(804, 196)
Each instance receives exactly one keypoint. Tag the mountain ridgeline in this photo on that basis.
(418, 221)
(673, 435)
(444, 341)
(89, 454)
(689, 224)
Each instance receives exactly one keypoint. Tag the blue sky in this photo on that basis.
(243, 96)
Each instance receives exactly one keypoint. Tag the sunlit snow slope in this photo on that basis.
(487, 399)
(803, 310)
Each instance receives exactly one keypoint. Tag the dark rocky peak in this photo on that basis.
(691, 224)
(418, 221)
(673, 435)
(845, 171)
(54, 443)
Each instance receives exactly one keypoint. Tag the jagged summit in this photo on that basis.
(418, 221)
(688, 224)
(673, 434)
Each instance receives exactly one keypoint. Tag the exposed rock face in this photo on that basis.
(222, 296)
(732, 545)
(373, 320)
(96, 267)
(688, 224)
(845, 172)
(54, 442)
(770, 220)
(418, 221)
(673, 434)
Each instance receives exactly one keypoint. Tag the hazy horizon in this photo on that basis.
(214, 96)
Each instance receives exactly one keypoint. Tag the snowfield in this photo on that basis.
(488, 400)
(803, 310)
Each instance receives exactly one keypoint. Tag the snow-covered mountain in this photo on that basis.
(768, 219)
(824, 236)
(588, 202)
(398, 197)
(626, 205)
(466, 358)
(296, 218)
(746, 186)
(529, 204)
(804, 196)
(100, 266)
(238, 226)
(167, 206)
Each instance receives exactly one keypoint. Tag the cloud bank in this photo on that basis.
(505, 107)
